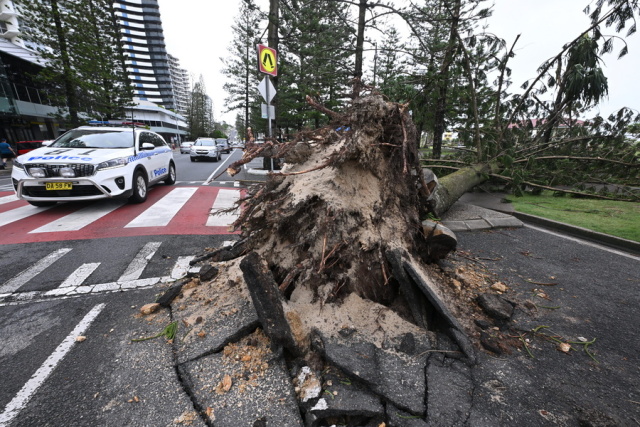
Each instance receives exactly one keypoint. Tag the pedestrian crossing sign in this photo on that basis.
(267, 60)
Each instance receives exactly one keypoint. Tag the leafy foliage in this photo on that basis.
(199, 112)
(241, 65)
(80, 42)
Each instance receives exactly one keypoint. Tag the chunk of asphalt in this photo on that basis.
(268, 397)
(344, 398)
(449, 400)
(222, 324)
(267, 302)
(454, 329)
(410, 343)
(495, 306)
(412, 295)
(207, 272)
(399, 418)
(169, 295)
(397, 378)
(491, 343)
(464, 343)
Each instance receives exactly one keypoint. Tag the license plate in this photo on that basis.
(58, 186)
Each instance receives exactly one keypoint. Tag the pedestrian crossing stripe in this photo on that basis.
(168, 211)
(76, 284)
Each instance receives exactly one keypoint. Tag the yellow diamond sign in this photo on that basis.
(267, 59)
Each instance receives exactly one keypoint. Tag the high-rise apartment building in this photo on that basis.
(27, 113)
(181, 84)
(144, 49)
(9, 23)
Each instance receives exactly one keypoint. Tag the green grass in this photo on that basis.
(621, 219)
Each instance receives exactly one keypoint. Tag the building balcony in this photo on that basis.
(7, 14)
(9, 33)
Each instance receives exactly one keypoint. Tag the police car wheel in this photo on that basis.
(171, 178)
(42, 204)
(139, 188)
(193, 159)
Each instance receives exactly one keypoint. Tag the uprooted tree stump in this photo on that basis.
(349, 194)
(346, 195)
(332, 270)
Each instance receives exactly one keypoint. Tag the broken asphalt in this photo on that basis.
(562, 291)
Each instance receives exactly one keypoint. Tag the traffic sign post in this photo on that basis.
(268, 60)
(268, 63)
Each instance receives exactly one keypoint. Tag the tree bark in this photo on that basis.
(67, 72)
(357, 73)
(273, 40)
(451, 187)
(443, 82)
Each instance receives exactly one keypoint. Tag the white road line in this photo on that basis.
(19, 213)
(8, 199)
(163, 211)
(138, 264)
(584, 242)
(33, 271)
(79, 219)
(21, 399)
(215, 172)
(226, 199)
(181, 268)
(80, 275)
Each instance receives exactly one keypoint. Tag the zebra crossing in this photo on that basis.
(6, 187)
(168, 210)
(79, 281)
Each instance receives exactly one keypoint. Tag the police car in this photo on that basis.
(90, 163)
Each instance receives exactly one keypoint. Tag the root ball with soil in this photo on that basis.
(347, 194)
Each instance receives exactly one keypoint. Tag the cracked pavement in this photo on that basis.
(532, 386)
(418, 380)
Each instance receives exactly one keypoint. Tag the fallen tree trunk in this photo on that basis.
(451, 187)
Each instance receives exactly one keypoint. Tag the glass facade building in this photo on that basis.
(145, 53)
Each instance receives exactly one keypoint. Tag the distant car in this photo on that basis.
(90, 163)
(205, 149)
(23, 147)
(185, 147)
(223, 143)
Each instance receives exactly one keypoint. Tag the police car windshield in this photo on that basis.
(206, 143)
(90, 138)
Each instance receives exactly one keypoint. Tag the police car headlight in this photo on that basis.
(112, 164)
(67, 173)
(37, 172)
(17, 164)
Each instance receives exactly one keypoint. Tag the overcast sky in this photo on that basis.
(198, 33)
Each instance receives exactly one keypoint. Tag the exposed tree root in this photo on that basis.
(348, 193)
